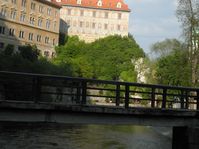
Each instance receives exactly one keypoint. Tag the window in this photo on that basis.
(1, 45)
(39, 38)
(46, 39)
(119, 15)
(69, 11)
(11, 32)
(55, 25)
(32, 20)
(118, 27)
(22, 17)
(23, 3)
(30, 36)
(21, 34)
(79, 2)
(68, 22)
(48, 24)
(54, 41)
(49, 11)
(14, 1)
(33, 6)
(13, 15)
(46, 53)
(119, 5)
(40, 22)
(82, 13)
(94, 13)
(41, 9)
(56, 13)
(3, 12)
(99, 3)
(105, 26)
(81, 23)
(2, 30)
(53, 54)
(93, 25)
(106, 14)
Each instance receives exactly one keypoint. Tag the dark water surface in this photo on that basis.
(59, 136)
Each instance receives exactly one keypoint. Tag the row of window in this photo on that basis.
(94, 13)
(31, 36)
(34, 7)
(94, 25)
(31, 21)
(45, 53)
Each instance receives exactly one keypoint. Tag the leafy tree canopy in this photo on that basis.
(107, 58)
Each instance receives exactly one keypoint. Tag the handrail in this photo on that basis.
(52, 88)
(98, 81)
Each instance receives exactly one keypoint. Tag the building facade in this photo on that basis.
(34, 22)
(94, 19)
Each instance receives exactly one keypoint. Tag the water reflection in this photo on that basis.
(54, 136)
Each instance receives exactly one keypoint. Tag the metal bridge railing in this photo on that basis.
(40, 88)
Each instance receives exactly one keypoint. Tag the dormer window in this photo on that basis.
(79, 2)
(119, 5)
(99, 3)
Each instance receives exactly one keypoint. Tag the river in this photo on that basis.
(61, 136)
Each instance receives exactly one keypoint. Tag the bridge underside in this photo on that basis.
(79, 114)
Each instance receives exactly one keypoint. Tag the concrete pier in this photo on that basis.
(185, 138)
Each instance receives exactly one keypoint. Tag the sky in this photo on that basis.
(152, 21)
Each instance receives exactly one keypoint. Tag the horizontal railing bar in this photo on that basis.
(98, 81)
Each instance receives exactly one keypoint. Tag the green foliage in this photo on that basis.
(174, 69)
(28, 60)
(109, 58)
(29, 52)
(9, 49)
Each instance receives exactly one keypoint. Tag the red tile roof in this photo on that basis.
(106, 4)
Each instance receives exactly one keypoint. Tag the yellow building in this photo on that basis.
(34, 22)
(94, 19)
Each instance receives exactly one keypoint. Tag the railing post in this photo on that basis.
(117, 100)
(186, 100)
(164, 98)
(78, 93)
(197, 99)
(182, 99)
(126, 96)
(153, 98)
(36, 89)
(84, 92)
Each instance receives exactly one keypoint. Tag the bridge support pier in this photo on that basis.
(185, 138)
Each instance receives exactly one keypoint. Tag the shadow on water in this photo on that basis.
(61, 136)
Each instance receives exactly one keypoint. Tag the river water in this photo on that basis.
(61, 136)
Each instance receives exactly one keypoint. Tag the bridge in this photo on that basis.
(26, 97)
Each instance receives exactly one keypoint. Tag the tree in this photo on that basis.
(173, 69)
(188, 14)
(29, 52)
(165, 47)
(108, 58)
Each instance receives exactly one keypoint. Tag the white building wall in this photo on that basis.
(91, 24)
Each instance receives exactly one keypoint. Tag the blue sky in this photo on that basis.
(152, 21)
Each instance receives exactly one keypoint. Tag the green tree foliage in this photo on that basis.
(171, 67)
(109, 58)
(27, 59)
(174, 69)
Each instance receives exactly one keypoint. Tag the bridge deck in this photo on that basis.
(36, 92)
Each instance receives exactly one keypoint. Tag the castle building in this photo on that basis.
(34, 22)
(94, 19)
